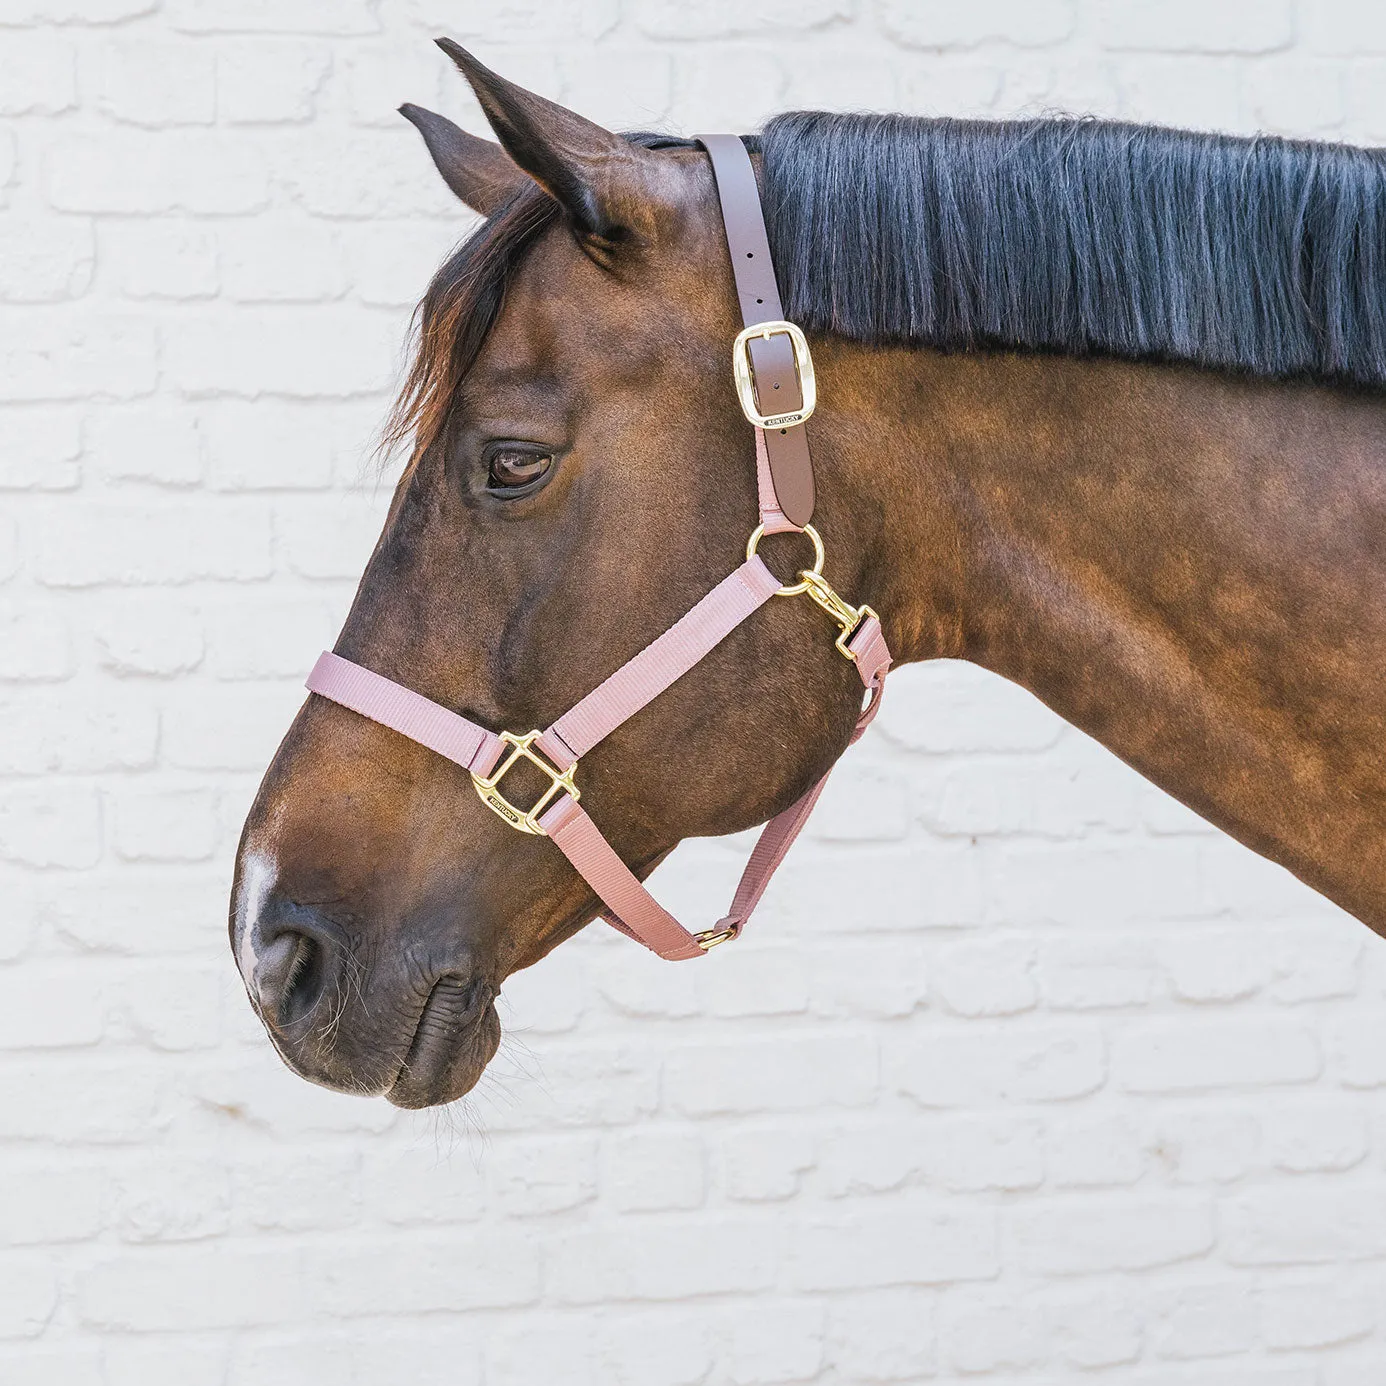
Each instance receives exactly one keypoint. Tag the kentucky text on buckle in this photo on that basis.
(744, 374)
(488, 786)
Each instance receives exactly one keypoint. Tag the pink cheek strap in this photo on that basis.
(629, 907)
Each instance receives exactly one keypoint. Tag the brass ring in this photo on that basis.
(710, 938)
(793, 590)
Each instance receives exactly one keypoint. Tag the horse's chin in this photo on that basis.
(445, 1062)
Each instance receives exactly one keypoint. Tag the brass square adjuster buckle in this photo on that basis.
(488, 786)
(744, 374)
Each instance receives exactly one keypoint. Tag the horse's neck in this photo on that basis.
(1191, 569)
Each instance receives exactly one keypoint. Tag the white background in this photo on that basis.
(1023, 1075)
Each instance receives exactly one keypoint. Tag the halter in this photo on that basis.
(770, 361)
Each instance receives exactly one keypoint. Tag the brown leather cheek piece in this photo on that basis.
(777, 379)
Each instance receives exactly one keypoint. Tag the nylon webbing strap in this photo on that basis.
(777, 379)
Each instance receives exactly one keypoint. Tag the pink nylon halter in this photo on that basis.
(560, 816)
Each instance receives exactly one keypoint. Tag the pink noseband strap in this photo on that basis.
(409, 713)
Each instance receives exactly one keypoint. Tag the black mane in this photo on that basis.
(1263, 256)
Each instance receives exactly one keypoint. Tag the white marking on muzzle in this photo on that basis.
(257, 880)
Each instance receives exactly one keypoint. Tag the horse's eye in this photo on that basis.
(512, 466)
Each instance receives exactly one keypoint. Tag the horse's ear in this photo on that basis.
(598, 178)
(482, 174)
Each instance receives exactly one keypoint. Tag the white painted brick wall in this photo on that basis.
(1079, 1086)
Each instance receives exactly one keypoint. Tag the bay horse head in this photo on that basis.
(581, 476)
(1102, 412)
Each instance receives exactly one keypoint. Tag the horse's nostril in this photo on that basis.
(291, 972)
(303, 985)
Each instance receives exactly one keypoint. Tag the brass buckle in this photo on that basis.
(487, 786)
(847, 616)
(744, 374)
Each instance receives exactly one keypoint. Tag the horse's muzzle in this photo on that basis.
(456, 1037)
(421, 1037)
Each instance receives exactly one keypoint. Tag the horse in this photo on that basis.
(1099, 409)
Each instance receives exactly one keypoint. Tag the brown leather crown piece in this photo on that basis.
(777, 384)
